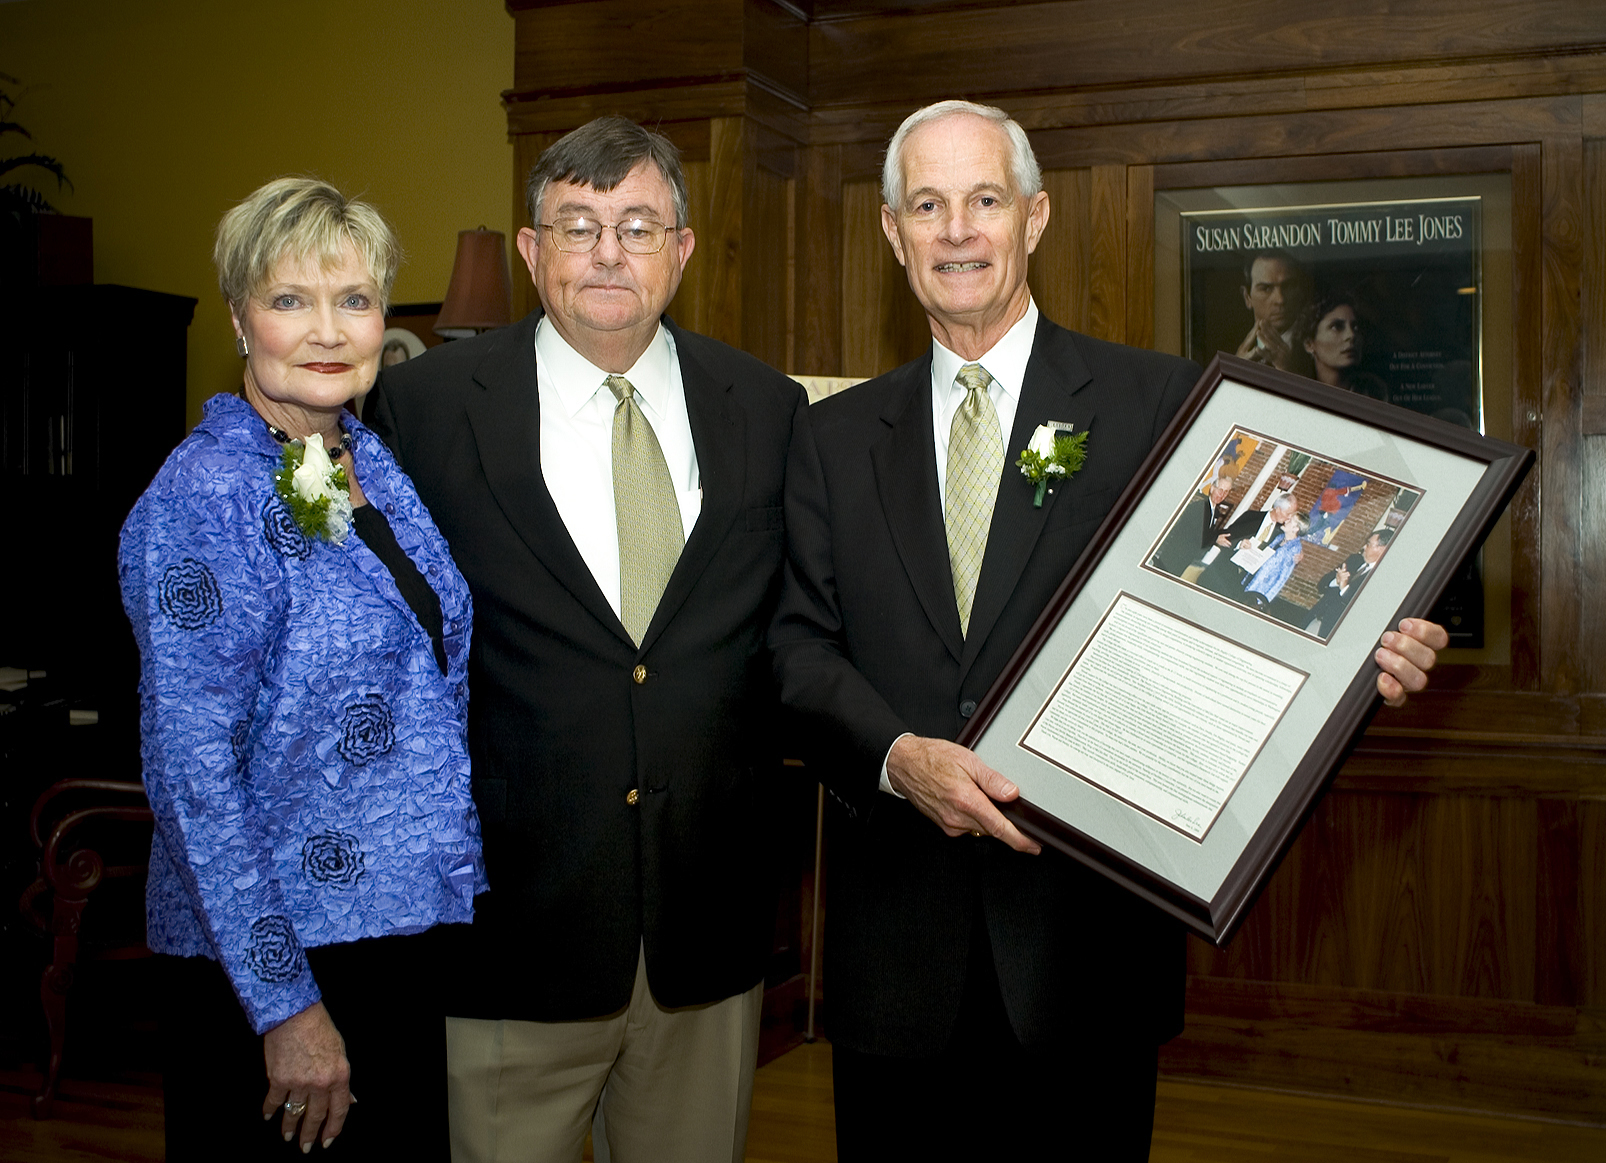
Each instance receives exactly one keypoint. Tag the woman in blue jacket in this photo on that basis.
(304, 644)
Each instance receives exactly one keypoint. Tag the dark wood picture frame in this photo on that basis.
(1503, 467)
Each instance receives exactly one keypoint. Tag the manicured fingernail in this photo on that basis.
(326, 1143)
(266, 1115)
(288, 1135)
(306, 1148)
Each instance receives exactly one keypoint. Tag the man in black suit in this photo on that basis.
(611, 486)
(1338, 586)
(984, 1001)
(1195, 531)
(1258, 529)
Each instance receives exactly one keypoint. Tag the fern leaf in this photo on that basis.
(43, 161)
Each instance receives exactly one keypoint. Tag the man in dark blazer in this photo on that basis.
(1195, 531)
(1259, 528)
(620, 770)
(984, 1000)
(1338, 586)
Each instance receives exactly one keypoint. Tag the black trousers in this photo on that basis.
(988, 1097)
(386, 998)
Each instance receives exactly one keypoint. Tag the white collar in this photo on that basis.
(1005, 361)
(576, 379)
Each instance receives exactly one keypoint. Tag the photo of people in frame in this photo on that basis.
(1283, 531)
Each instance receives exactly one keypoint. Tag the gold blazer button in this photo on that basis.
(632, 796)
(640, 675)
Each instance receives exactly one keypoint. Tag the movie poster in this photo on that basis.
(1377, 298)
(1380, 298)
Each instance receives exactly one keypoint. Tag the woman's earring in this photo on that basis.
(241, 347)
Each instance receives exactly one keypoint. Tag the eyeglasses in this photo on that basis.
(581, 235)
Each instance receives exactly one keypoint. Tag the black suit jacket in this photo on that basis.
(621, 790)
(1330, 604)
(1192, 534)
(868, 646)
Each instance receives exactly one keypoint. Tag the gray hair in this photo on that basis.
(600, 154)
(300, 218)
(1023, 167)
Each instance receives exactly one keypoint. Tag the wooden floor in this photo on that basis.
(792, 1123)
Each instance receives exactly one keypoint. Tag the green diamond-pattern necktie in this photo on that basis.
(975, 464)
(650, 533)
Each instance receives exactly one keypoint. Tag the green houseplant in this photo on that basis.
(16, 199)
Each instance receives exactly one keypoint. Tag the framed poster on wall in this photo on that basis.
(1394, 289)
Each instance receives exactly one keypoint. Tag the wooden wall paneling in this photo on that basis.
(1407, 893)
(1140, 256)
(1308, 133)
(1435, 932)
(1436, 83)
(1110, 42)
(1107, 265)
(766, 246)
(539, 110)
(1401, 163)
(1592, 392)
(692, 305)
(1561, 169)
(775, 49)
(819, 276)
(602, 45)
(717, 261)
(1475, 1054)
(1559, 958)
(882, 323)
(1527, 366)
(1592, 905)
(1059, 267)
(527, 147)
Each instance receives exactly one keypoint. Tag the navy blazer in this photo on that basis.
(621, 789)
(868, 645)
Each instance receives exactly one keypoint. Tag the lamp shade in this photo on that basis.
(480, 295)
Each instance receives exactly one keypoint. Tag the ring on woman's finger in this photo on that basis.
(295, 1109)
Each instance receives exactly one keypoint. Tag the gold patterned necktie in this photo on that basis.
(975, 464)
(648, 515)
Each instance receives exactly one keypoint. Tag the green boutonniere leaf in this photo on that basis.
(1040, 465)
(311, 513)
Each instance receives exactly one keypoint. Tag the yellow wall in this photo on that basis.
(165, 113)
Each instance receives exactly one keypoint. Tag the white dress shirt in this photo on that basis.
(1006, 362)
(577, 442)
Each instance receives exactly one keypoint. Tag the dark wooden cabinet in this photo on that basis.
(91, 403)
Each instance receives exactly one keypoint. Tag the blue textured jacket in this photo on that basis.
(305, 758)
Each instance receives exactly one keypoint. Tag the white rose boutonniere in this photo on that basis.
(1053, 452)
(315, 489)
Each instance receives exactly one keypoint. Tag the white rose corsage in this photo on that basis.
(1054, 452)
(315, 489)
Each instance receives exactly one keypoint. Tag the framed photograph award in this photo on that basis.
(1187, 696)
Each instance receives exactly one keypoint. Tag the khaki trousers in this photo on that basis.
(655, 1085)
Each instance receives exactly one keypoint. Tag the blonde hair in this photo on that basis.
(300, 218)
